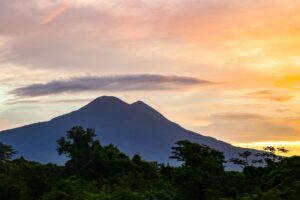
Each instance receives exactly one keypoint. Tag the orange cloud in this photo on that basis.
(291, 82)
(270, 95)
(248, 46)
(60, 9)
(5, 124)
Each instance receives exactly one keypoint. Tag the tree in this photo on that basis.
(55, 195)
(201, 173)
(282, 150)
(243, 160)
(78, 145)
(194, 155)
(104, 172)
(10, 189)
(269, 157)
(88, 159)
(237, 161)
(245, 155)
(6, 152)
(77, 142)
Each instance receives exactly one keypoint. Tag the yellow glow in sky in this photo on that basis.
(293, 147)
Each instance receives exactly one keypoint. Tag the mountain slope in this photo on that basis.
(135, 128)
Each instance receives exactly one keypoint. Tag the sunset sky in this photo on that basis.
(227, 69)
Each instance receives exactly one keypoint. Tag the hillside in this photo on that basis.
(134, 128)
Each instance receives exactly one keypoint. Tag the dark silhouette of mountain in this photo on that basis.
(134, 128)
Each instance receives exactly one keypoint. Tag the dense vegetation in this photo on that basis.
(96, 172)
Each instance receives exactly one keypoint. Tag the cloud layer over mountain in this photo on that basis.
(109, 83)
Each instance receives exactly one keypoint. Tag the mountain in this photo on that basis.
(134, 128)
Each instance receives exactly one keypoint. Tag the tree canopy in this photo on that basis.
(97, 172)
(6, 152)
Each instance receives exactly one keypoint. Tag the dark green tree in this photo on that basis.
(201, 172)
(196, 155)
(238, 161)
(6, 152)
(243, 161)
(88, 159)
(78, 145)
(104, 172)
(270, 156)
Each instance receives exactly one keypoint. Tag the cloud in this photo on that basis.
(283, 110)
(109, 83)
(4, 122)
(135, 31)
(269, 95)
(204, 38)
(60, 9)
(12, 102)
(289, 81)
(243, 126)
(237, 116)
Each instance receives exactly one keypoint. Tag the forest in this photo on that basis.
(97, 172)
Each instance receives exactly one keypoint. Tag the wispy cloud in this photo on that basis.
(60, 9)
(109, 83)
(243, 126)
(48, 101)
(269, 95)
(238, 116)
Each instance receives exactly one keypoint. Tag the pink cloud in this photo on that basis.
(59, 10)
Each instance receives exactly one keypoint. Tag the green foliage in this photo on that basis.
(6, 153)
(88, 159)
(195, 155)
(96, 172)
(10, 189)
(56, 195)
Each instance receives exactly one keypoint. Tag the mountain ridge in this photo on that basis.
(135, 128)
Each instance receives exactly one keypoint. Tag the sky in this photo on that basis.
(227, 69)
